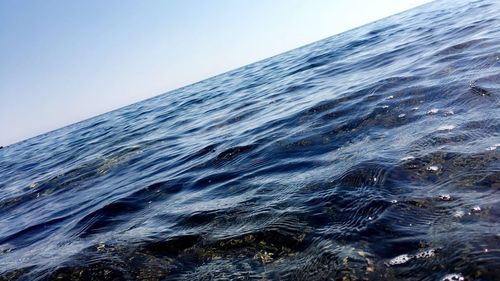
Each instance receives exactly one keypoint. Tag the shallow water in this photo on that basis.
(372, 154)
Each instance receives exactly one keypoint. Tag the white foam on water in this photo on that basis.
(476, 209)
(401, 115)
(449, 112)
(493, 147)
(394, 201)
(385, 106)
(433, 168)
(459, 214)
(415, 108)
(433, 111)
(390, 97)
(6, 248)
(401, 259)
(453, 277)
(406, 158)
(426, 254)
(446, 128)
(444, 197)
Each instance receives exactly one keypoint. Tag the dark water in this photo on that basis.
(372, 154)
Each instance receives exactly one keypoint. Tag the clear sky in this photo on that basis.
(64, 61)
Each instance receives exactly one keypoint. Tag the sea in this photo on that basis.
(369, 155)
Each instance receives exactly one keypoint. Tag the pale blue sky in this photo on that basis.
(64, 61)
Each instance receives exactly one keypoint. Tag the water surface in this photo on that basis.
(372, 154)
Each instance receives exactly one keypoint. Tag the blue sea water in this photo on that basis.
(369, 155)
